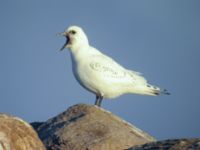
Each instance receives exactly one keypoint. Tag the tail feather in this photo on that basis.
(156, 90)
(148, 89)
(164, 91)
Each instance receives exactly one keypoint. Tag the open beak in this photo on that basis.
(67, 40)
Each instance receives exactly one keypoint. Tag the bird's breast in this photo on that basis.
(82, 74)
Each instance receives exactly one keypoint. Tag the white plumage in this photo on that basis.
(99, 73)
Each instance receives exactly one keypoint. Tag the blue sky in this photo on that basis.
(158, 38)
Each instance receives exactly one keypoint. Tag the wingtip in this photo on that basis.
(165, 92)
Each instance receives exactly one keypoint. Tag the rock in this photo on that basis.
(16, 134)
(85, 127)
(172, 144)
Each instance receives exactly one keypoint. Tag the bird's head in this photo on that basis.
(75, 38)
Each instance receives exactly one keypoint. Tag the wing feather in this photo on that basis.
(111, 70)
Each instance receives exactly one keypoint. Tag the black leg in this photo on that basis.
(98, 100)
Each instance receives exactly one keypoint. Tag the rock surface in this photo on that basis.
(86, 127)
(16, 134)
(176, 144)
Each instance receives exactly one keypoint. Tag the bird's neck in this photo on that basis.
(79, 50)
(78, 47)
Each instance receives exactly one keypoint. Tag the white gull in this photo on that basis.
(99, 73)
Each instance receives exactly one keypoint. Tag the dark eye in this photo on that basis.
(72, 32)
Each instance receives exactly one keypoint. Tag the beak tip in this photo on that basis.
(61, 34)
(62, 48)
(67, 39)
